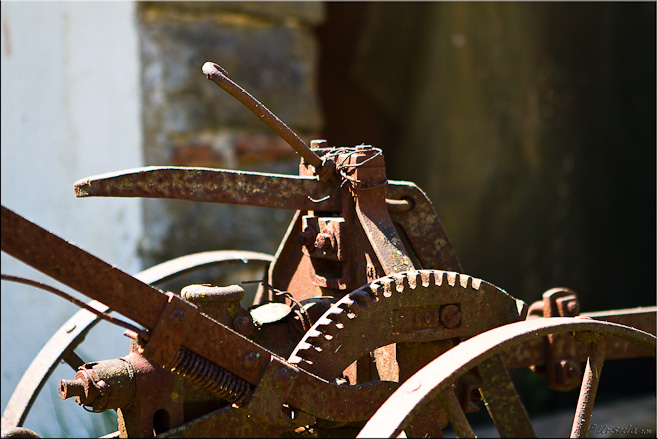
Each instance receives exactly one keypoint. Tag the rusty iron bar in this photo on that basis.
(214, 186)
(123, 293)
(590, 384)
(226, 186)
(220, 77)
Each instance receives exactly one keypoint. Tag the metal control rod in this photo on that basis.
(219, 76)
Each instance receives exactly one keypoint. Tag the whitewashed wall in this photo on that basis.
(70, 109)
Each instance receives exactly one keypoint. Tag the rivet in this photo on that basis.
(250, 360)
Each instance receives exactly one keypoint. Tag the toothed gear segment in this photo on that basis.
(413, 306)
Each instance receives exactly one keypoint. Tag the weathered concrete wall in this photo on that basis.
(70, 109)
(269, 50)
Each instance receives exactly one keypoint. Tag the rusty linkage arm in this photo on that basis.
(173, 326)
(219, 76)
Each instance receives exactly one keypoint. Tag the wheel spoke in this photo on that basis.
(588, 389)
(437, 377)
(503, 403)
(72, 359)
(455, 413)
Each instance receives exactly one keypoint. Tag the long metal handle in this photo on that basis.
(219, 76)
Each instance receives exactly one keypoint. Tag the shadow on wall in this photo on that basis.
(531, 126)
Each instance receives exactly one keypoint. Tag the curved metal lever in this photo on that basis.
(219, 76)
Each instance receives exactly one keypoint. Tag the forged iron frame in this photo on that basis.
(319, 256)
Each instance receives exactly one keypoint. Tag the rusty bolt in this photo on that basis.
(450, 316)
(177, 316)
(250, 360)
(281, 376)
(323, 241)
(568, 306)
(572, 306)
(244, 325)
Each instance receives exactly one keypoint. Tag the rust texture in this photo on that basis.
(363, 317)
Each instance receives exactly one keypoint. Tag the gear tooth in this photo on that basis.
(399, 282)
(294, 359)
(322, 322)
(345, 303)
(476, 283)
(439, 277)
(323, 325)
(375, 291)
(336, 317)
(314, 338)
(386, 284)
(303, 345)
(362, 298)
(451, 277)
(307, 354)
(425, 278)
(463, 280)
(329, 329)
(412, 279)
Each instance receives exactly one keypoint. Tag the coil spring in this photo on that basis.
(212, 377)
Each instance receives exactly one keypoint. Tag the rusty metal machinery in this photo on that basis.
(362, 325)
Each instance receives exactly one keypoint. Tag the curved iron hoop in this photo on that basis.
(60, 346)
(435, 379)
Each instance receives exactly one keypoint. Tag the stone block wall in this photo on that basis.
(270, 51)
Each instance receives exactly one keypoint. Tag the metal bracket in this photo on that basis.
(272, 392)
(167, 336)
(562, 374)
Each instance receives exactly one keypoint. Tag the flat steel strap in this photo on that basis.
(80, 270)
(214, 186)
(123, 293)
